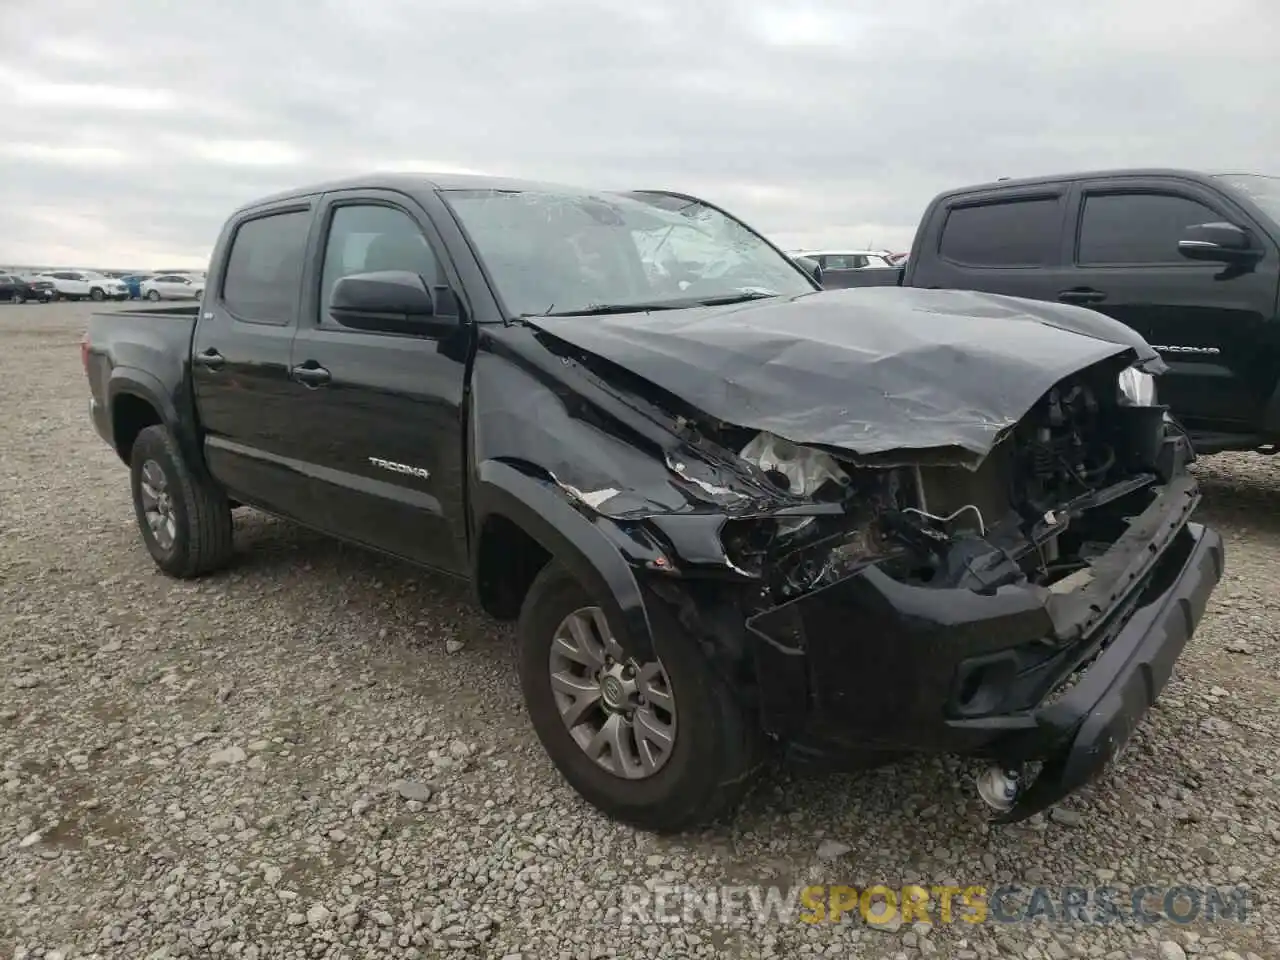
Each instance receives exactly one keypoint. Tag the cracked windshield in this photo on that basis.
(565, 253)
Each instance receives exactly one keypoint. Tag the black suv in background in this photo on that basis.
(1189, 260)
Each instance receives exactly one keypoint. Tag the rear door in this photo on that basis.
(1004, 241)
(1205, 319)
(240, 358)
(378, 417)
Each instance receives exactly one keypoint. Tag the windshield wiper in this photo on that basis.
(602, 309)
(740, 297)
(685, 303)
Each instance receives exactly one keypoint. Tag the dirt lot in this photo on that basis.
(221, 767)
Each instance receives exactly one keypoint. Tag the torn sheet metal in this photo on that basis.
(595, 461)
(868, 371)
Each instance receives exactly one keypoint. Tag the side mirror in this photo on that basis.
(810, 266)
(1218, 242)
(390, 301)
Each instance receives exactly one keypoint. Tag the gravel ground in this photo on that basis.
(322, 753)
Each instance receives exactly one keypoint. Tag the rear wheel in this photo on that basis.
(661, 745)
(184, 519)
(17, 297)
(153, 295)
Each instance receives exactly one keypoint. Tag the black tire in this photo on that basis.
(97, 295)
(153, 295)
(202, 517)
(17, 298)
(716, 745)
(199, 294)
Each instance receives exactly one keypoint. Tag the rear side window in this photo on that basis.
(1137, 228)
(263, 278)
(1008, 233)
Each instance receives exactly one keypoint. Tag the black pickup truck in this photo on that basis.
(729, 511)
(1189, 260)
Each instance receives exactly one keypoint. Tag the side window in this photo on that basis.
(1136, 228)
(365, 238)
(264, 269)
(1006, 233)
(846, 261)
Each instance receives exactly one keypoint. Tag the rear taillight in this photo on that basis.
(84, 352)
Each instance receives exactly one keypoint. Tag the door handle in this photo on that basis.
(1082, 295)
(310, 373)
(210, 358)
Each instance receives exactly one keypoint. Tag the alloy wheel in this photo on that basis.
(157, 504)
(621, 713)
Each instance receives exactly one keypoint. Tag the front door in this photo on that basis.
(1205, 319)
(379, 416)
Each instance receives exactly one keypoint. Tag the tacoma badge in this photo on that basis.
(422, 473)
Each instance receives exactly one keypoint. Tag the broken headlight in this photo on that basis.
(1137, 389)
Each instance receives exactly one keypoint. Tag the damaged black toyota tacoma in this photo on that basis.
(729, 511)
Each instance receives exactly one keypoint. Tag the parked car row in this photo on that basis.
(98, 286)
(164, 285)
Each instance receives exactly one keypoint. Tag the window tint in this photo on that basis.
(264, 270)
(367, 239)
(1010, 233)
(1137, 227)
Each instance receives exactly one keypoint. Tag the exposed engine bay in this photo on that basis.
(1027, 515)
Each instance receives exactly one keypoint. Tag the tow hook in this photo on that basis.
(999, 786)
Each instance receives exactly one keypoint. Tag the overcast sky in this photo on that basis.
(132, 127)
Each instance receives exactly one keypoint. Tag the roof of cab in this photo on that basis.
(416, 183)
(1010, 182)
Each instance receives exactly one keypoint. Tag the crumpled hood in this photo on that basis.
(869, 371)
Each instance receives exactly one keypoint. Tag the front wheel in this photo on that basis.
(97, 295)
(660, 745)
(184, 519)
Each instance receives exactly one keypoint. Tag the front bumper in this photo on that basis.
(882, 668)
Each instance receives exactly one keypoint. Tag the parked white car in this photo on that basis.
(172, 286)
(847, 259)
(85, 285)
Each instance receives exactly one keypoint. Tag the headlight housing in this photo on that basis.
(1137, 389)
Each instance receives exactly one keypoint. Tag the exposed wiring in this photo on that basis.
(982, 527)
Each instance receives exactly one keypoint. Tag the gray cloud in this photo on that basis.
(819, 121)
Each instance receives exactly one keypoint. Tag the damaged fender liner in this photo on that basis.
(870, 665)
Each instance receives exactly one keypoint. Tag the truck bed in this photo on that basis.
(150, 346)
